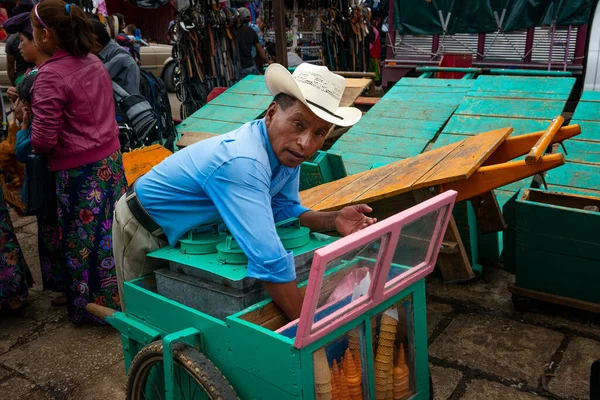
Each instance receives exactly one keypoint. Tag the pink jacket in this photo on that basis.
(72, 101)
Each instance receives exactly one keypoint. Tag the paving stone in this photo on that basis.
(498, 346)
(588, 324)
(490, 291)
(109, 384)
(20, 222)
(37, 394)
(67, 357)
(42, 311)
(444, 381)
(435, 313)
(12, 329)
(4, 374)
(572, 376)
(479, 389)
(15, 388)
(31, 229)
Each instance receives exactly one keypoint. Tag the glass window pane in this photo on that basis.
(348, 278)
(339, 370)
(394, 352)
(414, 243)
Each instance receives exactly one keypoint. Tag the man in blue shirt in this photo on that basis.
(248, 179)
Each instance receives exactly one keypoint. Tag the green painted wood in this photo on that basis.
(549, 271)
(366, 160)
(584, 176)
(519, 95)
(589, 95)
(436, 82)
(525, 108)
(257, 88)
(206, 125)
(226, 114)
(395, 127)
(574, 190)
(423, 114)
(492, 83)
(528, 72)
(443, 98)
(587, 111)
(582, 151)
(590, 131)
(239, 100)
(444, 140)
(428, 89)
(470, 125)
(396, 147)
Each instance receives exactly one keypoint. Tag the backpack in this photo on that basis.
(153, 89)
(135, 117)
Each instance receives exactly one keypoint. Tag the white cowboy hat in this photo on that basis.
(316, 87)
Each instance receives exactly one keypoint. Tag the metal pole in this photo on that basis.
(280, 32)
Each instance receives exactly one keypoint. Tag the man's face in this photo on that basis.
(295, 133)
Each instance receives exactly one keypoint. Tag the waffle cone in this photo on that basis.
(385, 350)
(321, 368)
(343, 387)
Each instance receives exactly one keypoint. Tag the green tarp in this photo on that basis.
(427, 17)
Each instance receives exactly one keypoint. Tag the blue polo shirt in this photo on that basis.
(233, 178)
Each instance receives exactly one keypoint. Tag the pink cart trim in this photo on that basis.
(308, 331)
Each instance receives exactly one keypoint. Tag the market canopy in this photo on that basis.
(427, 17)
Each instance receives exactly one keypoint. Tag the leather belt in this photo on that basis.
(141, 214)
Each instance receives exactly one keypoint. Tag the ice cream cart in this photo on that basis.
(361, 334)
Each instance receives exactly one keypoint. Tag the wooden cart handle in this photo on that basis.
(542, 144)
(99, 311)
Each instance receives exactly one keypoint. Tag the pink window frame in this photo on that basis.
(380, 290)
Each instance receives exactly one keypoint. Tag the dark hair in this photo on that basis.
(121, 19)
(24, 88)
(70, 24)
(100, 32)
(27, 35)
(131, 28)
(284, 101)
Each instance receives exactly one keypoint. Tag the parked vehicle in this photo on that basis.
(155, 58)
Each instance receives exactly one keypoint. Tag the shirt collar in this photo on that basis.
(273, 161)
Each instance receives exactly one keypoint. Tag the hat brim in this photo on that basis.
(279, 80)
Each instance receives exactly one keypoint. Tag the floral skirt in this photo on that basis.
(87, 196)
(15, 277)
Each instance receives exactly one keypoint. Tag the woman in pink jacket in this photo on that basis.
(75, 126)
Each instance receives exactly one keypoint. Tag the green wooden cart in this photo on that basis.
(361, 334)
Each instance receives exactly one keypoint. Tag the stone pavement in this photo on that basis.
(480, 346)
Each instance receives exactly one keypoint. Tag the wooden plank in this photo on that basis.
(411, 109)
(519, 95)
(538, 109)
(464, 158)
(552, 298)
(584, 176)
(445, 83)
(489, 83)
(590, 130)
(455, 267)
(206, 125)
(399, 129)
(487, 211)
(590, 95)
(444, 140)
(226, 114)
(310, 197)
(367, 159)
(446, 98)
(190, 138)
(471, 125)
(457, 91)
(239, 100)
(574, 190)
(428, 114)
(544, 141)
(388, 125)
(350, 95)
(404, 174)
(358, 82)
(389, 146)
(582, 151)
(366, 101)
(587, 111)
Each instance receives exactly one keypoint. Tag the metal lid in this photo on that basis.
(293, 236)
(201, 242)
(230, 252)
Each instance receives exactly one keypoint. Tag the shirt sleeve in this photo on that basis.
(254, 38)
(240, 191)
(23, 146)
(286, 203)
(48, 100)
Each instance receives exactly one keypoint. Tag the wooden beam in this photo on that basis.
(454, 265)
(541, 145)
(516, 146)
(553, 298)
(189, 138)
(495, 176)
(280, 32)
(487, 211)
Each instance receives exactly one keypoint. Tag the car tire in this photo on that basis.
(169, 77)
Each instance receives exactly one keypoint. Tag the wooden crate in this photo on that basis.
(557, 248)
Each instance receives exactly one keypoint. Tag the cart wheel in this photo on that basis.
(195, 377)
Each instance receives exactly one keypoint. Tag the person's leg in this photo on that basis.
(51, 260)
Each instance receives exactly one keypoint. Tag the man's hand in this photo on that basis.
(352, 218)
